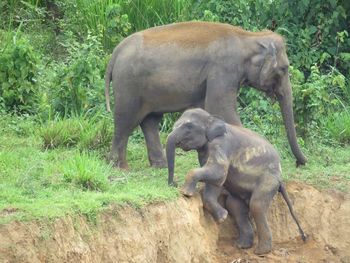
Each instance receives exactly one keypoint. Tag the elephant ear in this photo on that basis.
(216, 127)
(270, 61)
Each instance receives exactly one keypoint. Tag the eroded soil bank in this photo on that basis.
(181, 231)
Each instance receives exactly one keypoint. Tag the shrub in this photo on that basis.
(21, 125)
(117, 26)
(19, 91)
(97, 135)
(78, 84)
(87, 172)
(87, 132)
(62, 132)
(316, 97)
(259, 113)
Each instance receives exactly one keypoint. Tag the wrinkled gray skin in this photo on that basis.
(194, 64)
(237, 160)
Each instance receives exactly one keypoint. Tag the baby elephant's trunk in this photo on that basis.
(284, 193)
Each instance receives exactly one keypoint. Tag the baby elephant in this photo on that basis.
(234, 159)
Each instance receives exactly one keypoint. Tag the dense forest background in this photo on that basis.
(53, 55)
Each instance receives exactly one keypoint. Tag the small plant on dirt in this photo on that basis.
(87, 172)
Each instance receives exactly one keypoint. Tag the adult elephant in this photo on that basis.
(193, 64)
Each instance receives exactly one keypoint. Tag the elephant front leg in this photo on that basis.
(214, 174)
(221, 96)
(211, 194)
(150, 129)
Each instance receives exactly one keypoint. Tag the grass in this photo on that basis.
(338, 125)
(36, 182)
(39, 183)
(109, 15)
(327, 168)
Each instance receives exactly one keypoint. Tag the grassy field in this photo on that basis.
(43, 180)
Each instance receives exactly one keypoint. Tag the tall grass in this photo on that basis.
(338, 126)
(148, 13)
(130, 16)
(141, 13)
(84, 131)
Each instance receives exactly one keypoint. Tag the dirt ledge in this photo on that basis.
(181, 231)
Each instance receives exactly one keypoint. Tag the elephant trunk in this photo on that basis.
(286, 104)
(170, 155)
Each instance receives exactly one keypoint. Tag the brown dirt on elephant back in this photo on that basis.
(181, 231)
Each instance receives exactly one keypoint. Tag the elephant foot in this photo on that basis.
(159, 164)
(263, 249)
(244, 242)
(116, 163)
(189, 189)
(121, 165)
(221, 215)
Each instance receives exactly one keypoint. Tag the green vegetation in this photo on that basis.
(55, 133)
(36, 182)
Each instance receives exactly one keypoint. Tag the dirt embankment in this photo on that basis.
(181, 231)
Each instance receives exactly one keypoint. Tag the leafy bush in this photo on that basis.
(259, 113)
(117, 26)
(19, 91)
(87, 172)
(78, 84)
(316, 97)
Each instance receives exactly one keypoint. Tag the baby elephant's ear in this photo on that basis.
(215, 128)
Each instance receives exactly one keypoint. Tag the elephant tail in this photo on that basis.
(284, 193)
(108, 79)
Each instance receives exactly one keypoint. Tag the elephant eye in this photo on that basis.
(189, 125)
(284, 69)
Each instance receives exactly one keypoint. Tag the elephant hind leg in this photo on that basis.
(126, 118)
(150, 128)
(258, 206)
(239, 210)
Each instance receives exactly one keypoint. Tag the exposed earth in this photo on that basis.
(181, 231)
